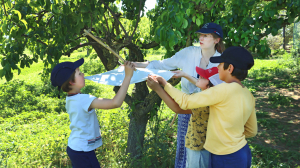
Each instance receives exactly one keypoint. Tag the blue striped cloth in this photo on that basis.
(183, 122)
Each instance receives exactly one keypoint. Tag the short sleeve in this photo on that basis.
(86, 100)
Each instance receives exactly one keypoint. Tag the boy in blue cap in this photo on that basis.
(85, 134)
(232, 116)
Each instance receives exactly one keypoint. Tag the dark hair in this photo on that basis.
(220, 47)
(209, 84)
(238, 73)
(66, 85)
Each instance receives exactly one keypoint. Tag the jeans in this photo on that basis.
(197, 158)
(82, 159)
(239, 159)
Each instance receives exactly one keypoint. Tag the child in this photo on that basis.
(232, 116)
(85, 134)
(197, 156)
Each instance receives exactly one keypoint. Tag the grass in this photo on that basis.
(34, 125)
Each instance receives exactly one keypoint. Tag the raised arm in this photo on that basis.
(117, 101)
(141, 64)
(179, 74)
(153, 84)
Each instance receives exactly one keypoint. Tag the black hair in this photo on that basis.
(66, 85)
(240, 74)
(209, 84)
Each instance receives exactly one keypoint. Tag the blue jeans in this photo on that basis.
(197, 158)
(82, 159)
(239, 159)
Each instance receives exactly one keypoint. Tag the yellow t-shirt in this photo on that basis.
(232, 116)
(196, 133)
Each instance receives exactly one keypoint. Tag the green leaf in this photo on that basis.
(2, 73)
(185, 24)
(244, 35)
(255, 37)
(198, 22)
(291, 20)
(194, 18)
(24, 22)
(18, 13)
(188, 12)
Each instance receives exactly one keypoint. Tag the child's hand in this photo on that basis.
(152, 82)
(129, 68)
(161, 80)
(178, 74)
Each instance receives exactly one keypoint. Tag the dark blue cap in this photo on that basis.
(211, 28)
(239, 57)
(62, 72)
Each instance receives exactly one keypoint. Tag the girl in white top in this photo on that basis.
(211, 44)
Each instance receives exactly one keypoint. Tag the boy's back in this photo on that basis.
(232, 115)
(231, 120)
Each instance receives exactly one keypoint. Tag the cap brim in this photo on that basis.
(78, 63)
(218, 59)
(201, 72)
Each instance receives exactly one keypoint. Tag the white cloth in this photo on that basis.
(186, 59)
(115, 77)
(85, 131)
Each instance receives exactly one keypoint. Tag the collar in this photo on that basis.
(73, 94)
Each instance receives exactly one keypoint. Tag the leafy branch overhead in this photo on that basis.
(52, 29)
(244, 23)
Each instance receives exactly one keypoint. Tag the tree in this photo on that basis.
(52, 29)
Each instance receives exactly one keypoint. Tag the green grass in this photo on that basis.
(34, 125)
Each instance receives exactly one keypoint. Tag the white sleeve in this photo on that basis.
(86, 100)
(176, 61)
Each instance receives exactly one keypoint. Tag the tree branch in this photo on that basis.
(149, 45)
(49, 20)
(78, 46)
(107, 25)
(40, 15)
(213, 5)
(138, 20)
(116, 18)
(24, 35)
(4, 8)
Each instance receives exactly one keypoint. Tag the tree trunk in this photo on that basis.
(137, 128)
(283, 33)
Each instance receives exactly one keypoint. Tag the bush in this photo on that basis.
(275, 42)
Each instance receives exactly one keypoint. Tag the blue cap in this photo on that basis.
(211, 28)
(62, 72)
(239, 57)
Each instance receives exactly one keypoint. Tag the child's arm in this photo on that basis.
(117, 101)
(179, 74)
(201, 99)
(251, 126)
(154, 85)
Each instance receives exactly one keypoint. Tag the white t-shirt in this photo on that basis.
(186, 59)
(85, 131)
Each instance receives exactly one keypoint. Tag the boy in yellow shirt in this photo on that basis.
(197, 156)
(232, 116)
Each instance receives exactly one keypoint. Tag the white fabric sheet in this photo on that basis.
(115, 77)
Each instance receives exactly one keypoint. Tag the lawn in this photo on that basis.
(34, 125)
